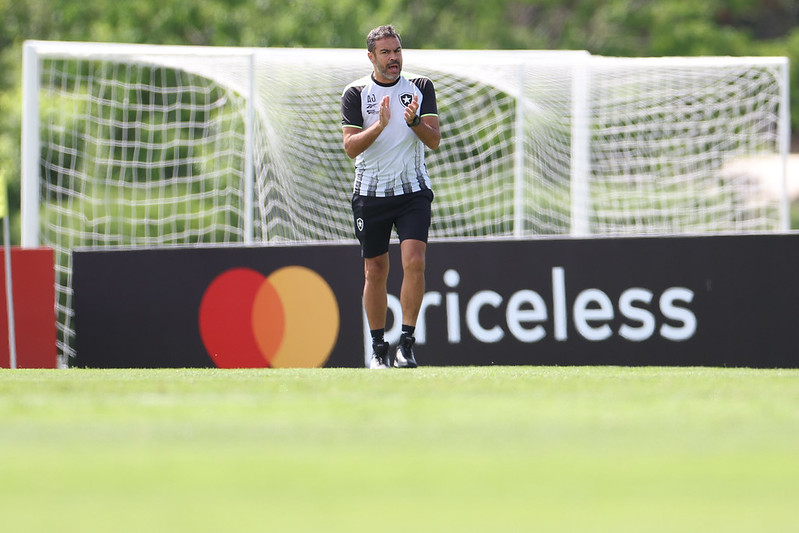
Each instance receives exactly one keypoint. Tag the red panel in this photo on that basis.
(33, 274)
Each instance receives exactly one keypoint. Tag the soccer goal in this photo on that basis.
(150, 146)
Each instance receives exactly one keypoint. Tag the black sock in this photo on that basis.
(408, 330)
(377, 335)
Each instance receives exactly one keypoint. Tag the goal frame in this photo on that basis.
(35, 51)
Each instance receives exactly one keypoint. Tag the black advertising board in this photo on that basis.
(723, 300)
(710, 301)
(200, 307)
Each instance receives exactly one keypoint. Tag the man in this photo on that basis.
(387, 121)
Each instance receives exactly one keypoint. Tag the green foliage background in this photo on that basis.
(613, 27)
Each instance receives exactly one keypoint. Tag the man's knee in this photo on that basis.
(414, 261)
(376, 268)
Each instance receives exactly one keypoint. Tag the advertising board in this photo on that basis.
(723, 300)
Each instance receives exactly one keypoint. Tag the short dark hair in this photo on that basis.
(381, 32)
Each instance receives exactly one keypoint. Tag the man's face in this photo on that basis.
(387, 59)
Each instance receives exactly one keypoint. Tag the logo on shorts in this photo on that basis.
(406, 99)
(359, 223)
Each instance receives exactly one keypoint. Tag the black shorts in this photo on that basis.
(375, 217)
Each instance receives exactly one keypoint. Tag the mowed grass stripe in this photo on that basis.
(435, 449)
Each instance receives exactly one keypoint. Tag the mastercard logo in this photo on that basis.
(287, 319)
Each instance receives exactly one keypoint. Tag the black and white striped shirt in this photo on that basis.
(394, 163)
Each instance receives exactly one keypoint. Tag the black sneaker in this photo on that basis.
(379, 355)
(404, 357)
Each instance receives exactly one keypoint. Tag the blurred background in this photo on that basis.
(626, 28)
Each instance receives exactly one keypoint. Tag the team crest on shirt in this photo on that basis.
(406, 99)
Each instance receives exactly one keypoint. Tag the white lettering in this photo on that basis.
(516, 315)
(677, 314)
(628, 309)
(559, 303)
(452, 279)
(528, 319)
(593, 305)
(478, 301)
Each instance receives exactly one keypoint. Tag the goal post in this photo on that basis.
(30, 148)
(151, 146)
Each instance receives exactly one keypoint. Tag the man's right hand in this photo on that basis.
(385, 112)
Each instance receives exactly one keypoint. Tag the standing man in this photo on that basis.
(388, 120)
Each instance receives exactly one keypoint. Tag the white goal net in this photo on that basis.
(147, 146)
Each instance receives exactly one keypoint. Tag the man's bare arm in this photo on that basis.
(357, 140)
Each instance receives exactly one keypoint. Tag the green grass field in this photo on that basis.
(493, 449)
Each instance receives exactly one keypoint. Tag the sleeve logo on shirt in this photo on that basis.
(371, 104)
(406, 99)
